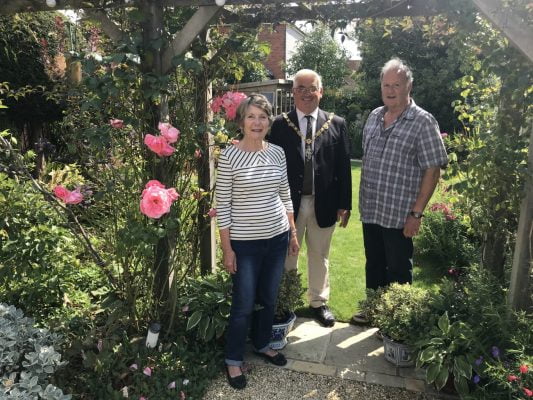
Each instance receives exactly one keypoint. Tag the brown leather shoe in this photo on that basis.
(323, 315)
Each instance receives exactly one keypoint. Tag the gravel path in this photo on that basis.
(269, 383)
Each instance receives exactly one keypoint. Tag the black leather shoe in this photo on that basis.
(236, 382)
(324, 315)
(279, 359)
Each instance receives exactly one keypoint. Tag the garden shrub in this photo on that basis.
(481, 338)
(43, 269)
(444, 240)
(27, 357)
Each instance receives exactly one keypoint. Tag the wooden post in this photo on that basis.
(520, 290)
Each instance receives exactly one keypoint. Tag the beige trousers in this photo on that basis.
(318, 241)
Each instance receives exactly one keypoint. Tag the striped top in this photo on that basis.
(252, 193)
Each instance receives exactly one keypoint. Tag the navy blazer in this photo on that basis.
(333, 175)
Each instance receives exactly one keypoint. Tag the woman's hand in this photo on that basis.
(230, 261)
(294, 247)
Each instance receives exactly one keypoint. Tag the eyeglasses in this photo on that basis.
(303, 89)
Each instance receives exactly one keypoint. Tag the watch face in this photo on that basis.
(416, 214)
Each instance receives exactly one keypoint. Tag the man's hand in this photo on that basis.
(412, 226)
(343, 216)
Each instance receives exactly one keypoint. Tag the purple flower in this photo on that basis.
(476, 379)
(495, 352)
(479, 360)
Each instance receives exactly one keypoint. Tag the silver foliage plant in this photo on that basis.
(27, 358)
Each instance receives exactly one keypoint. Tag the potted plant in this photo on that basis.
(289, 299)
(401, 312)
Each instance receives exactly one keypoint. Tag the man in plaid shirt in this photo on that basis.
(403, 154)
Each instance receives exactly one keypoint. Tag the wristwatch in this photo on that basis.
(416, 214)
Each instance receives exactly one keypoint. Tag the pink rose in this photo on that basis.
(159, 145)
(147, 371)
(443, 135)
(197, 153)
(61, 192)
(116, 123)
(170, 133)
(68, 197)
(512, 378)
(216, 105)
(156, 200)
(528, 392)
(523, 368)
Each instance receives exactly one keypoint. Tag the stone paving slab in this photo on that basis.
(345, 351)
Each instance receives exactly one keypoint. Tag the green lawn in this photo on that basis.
(347, 262)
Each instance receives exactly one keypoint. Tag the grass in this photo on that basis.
(347, 263)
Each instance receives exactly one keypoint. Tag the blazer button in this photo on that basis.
(299, 192)
(301, 176)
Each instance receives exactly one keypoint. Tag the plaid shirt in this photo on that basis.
(394, 161)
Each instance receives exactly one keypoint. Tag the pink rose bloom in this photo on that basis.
(68, 197)
(216, 105)
(61, 192)
(170, 133)
(528, 392)
(159, 145)
(116, 123)
(443, 135)
(212, 212)
(523, 368)
(231, 103)
(147, 371)
(197, 153)
(512, 378)
(156, 200)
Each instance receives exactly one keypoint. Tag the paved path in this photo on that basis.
(345, 351)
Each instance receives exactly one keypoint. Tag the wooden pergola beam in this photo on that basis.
(340, 10)
(510, 23)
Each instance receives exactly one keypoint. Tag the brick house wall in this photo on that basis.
(276, 35)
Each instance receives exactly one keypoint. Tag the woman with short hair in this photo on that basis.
(255, 219)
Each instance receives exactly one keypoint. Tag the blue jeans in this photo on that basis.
(255, 290)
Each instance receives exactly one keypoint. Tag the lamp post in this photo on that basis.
(153, 335)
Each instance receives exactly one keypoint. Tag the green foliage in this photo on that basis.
(448, 350)
(29, 43)
(289, 294)
(489, 157)
(28, 357)
(400, 311)
(206, 303)
(444, 240)
(43, 269)
(114, 362)
(475, 321)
